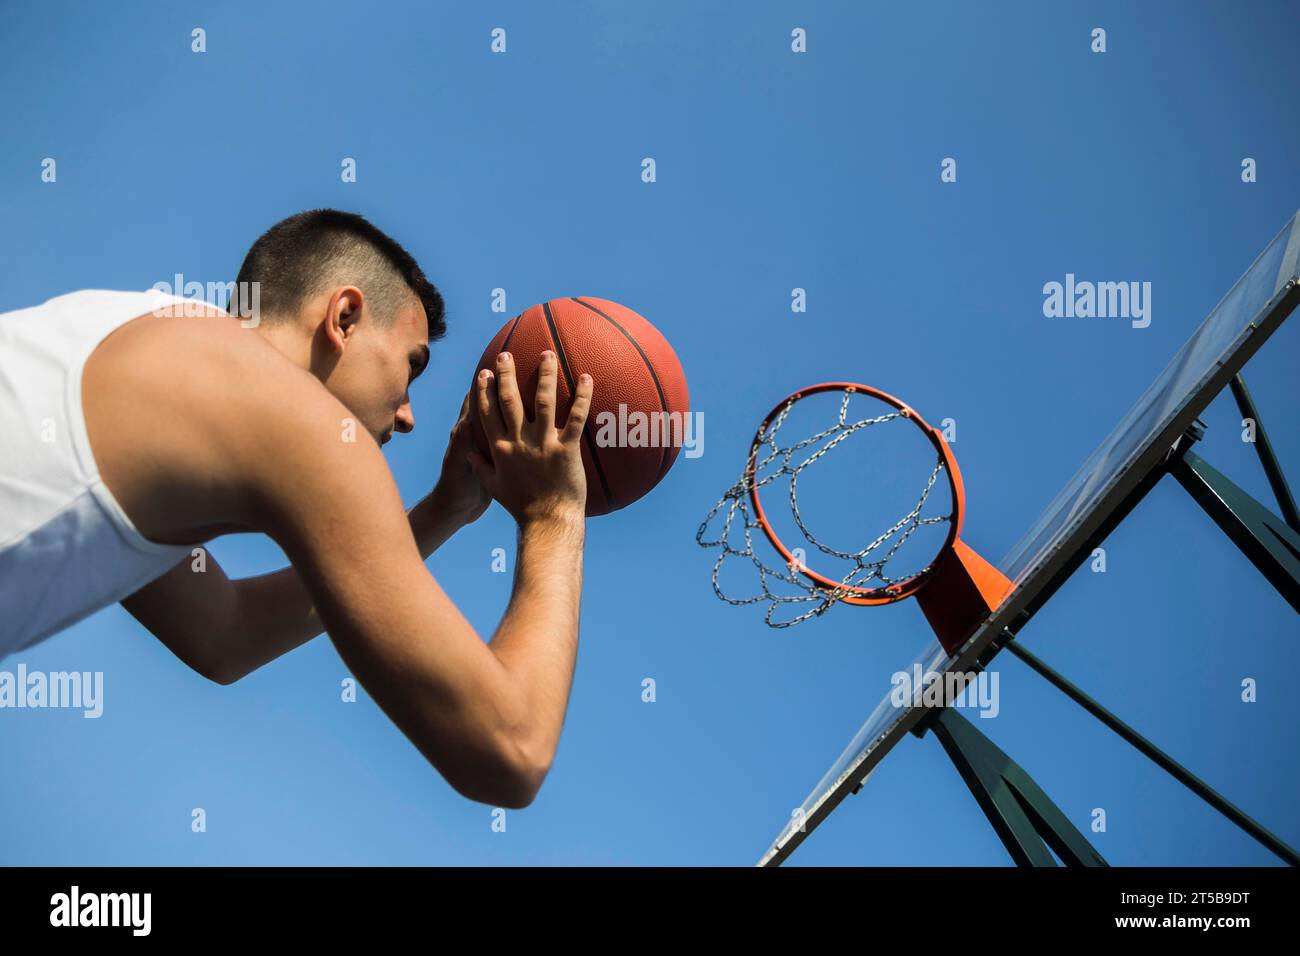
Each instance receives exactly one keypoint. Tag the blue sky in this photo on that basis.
(774, 171)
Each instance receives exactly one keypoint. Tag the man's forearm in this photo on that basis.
(433, 524)
(537, 639)
(276, 614)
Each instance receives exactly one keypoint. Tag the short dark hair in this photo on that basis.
(299, 256)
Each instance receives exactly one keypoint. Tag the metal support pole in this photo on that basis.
(1158, 756)
(1264, 448)
(1273, 547)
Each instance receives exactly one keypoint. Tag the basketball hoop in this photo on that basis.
(956, 590)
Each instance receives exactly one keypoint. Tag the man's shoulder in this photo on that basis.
(184, 412)
(187, 346)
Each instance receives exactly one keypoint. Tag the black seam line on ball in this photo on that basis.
(573, 390)
(663, 401)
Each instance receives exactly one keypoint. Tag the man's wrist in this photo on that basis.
(435, 508)
(563, 518)
(433, 522)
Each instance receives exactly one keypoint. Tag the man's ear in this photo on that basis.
(344, 312)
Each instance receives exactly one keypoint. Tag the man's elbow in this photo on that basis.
(218, 671)
(200, 651)
(518, 793)
(224, 678)
(531, 763)
(511, 780)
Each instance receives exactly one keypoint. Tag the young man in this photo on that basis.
(131, 433)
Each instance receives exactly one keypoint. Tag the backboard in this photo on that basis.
(1086, 509)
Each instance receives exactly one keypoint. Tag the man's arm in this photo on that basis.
(477, 712)
(226, 629)
(488, 717)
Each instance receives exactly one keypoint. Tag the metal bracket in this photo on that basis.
(1024, 817)
(1263, 537)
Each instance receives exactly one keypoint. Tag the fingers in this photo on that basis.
(544, 420)
(488, 413)
(578, 411)
(501, 408)
(507, 389)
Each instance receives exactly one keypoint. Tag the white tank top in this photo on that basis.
(66, 547)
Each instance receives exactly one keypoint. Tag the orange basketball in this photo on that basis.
(633, 366)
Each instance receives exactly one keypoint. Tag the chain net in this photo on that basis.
(868, 564)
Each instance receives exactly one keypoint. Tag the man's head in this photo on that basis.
(349, 304)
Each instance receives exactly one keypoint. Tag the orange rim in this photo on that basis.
(857, 595)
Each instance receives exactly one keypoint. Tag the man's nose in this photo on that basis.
(405, 419)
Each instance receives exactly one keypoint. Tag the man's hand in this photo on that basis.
(459, 494)
(536, 469)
